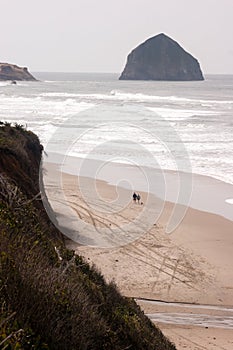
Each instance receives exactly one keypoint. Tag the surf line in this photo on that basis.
(192, 319)
(185, 305)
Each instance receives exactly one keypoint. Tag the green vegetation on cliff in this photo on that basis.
(50, 300)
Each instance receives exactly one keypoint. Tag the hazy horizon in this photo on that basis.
(86, 36)
(93, 72)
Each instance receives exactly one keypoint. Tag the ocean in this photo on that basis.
(146, 123)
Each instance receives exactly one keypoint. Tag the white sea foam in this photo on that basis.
(139, 97)
(4, 83)
(18, 105)
(179, 114)
(229, 200)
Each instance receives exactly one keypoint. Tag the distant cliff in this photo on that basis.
(161, 58)
(13, 72)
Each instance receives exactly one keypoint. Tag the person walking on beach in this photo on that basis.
(138, 198)
(134, 197)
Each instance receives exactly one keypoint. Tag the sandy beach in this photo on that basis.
(192, 265)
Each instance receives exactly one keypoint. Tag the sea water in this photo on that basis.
(186, 127)
(155, 115)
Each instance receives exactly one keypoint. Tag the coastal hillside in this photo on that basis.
(51, 298)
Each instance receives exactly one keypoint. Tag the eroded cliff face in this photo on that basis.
(161, 58)
(13, 72)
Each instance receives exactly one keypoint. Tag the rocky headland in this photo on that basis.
(12, 72)
(161, 58)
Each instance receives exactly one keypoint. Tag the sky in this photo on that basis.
(97, 35)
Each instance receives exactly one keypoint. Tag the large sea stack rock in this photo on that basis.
(161, 58)
(13, 72)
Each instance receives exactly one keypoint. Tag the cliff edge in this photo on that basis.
(161, 58)
(12, 72)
